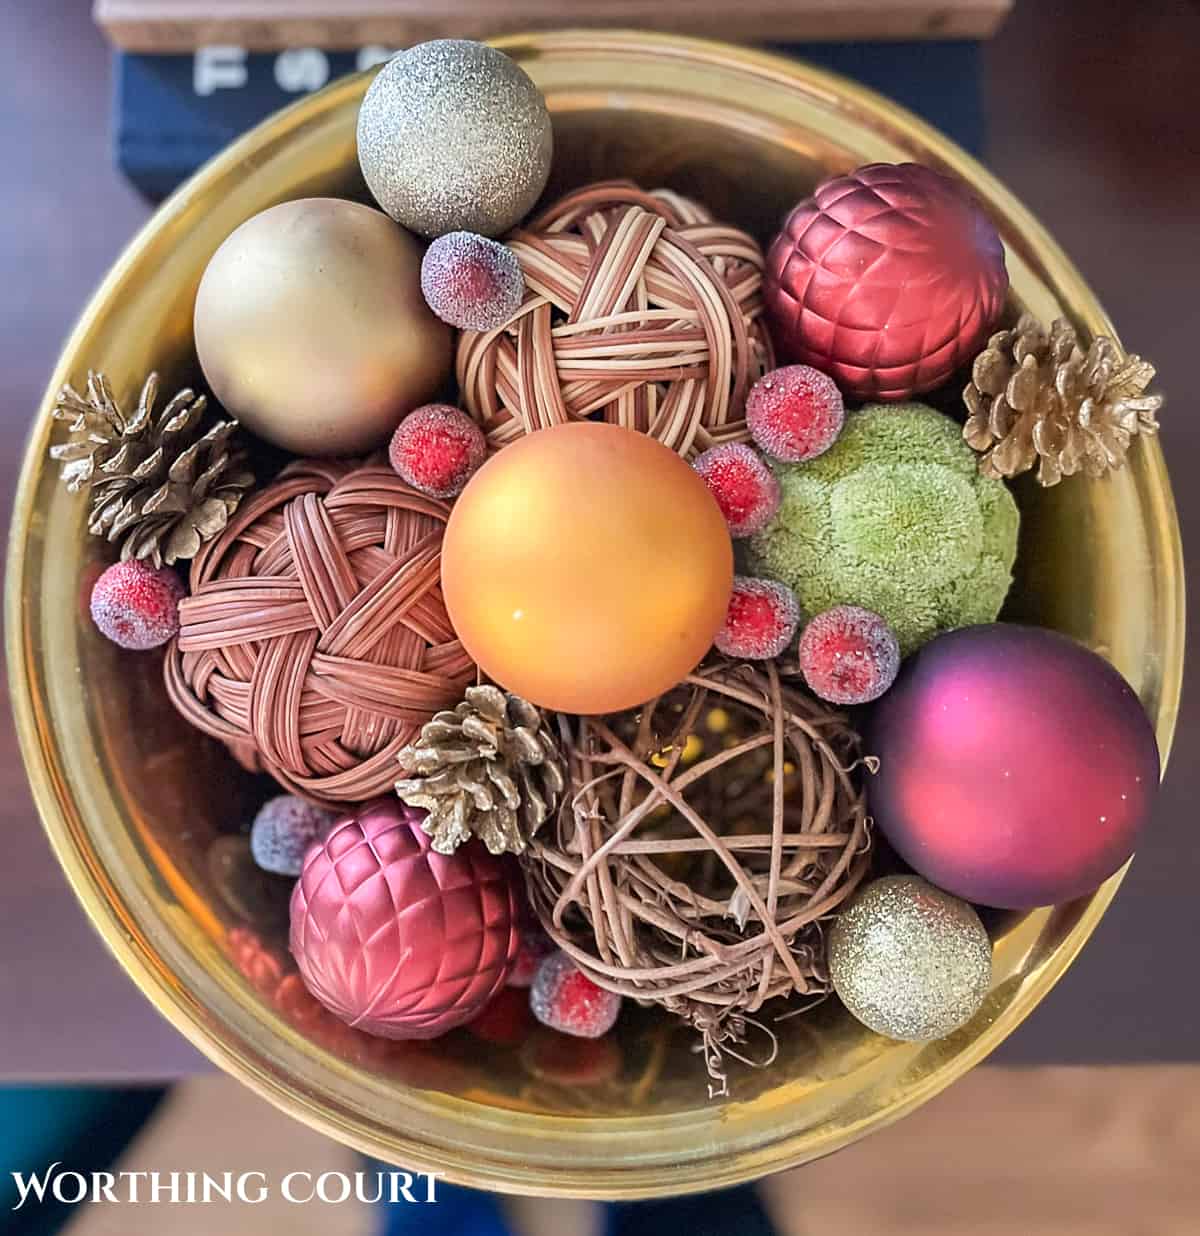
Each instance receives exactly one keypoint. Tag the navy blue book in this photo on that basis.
(174, 112)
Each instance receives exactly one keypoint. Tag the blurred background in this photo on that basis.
(1088, 1119)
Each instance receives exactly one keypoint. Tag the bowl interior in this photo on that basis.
(144, 812)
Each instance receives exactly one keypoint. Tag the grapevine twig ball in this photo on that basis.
(887, 279)
(586, 568)
(454, 136)
(710, 834)
(396, 939)
(316, 643)
(312, 330)
(436, 448)
(137, 606)
(471, 282)
(1017, 768)
(910, 961)
(639, 308)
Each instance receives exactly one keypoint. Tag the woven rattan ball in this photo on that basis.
(315, 643)
(707, 837)
(638, 308)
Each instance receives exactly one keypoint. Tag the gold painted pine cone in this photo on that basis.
(488, 769)
(1035, 397)
(155, 480)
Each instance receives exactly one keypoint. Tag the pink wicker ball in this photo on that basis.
(395, 939)
(316, 643)
(639, 308)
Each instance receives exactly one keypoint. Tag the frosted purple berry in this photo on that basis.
(283, 830)
(564, 998)
(849, 655)
(472, 282)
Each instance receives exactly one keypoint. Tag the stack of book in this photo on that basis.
(191, 75)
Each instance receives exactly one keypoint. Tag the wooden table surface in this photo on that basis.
(1092, 107)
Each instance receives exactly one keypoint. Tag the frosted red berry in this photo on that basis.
(795, 413)
(472, 282)
(761, 620)
(137, 606)
(746, 490)
(535, 946)
(505, 1020)
(436, 448)
(849, 655)
(283, 829)
(564, 998)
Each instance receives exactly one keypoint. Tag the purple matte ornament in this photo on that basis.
(1016, 767)
(395, 939)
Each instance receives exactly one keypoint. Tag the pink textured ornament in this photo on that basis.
(761, 621)
(137, 606)
(396, 939)
(746, 490)
(887, 279)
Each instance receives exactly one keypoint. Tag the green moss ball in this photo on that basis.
(894, 517)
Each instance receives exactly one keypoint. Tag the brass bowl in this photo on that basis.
(136, 804)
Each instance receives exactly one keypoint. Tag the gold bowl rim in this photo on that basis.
(64, 827)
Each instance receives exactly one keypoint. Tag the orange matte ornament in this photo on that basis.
(587, 568)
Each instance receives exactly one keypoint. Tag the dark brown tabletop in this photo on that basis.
(1091, 107)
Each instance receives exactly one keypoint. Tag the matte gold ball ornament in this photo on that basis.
(587, 568)
(311, 327)
(454, 136)
(910, 961)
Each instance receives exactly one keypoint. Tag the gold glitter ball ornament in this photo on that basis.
(908, 960)
(454, 136)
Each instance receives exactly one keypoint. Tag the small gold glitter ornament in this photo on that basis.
(908, 960)
(453, 136)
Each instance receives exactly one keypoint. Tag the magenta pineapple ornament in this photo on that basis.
(398, 940)
(887, 279)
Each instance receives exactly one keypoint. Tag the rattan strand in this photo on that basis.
(639, 308)
(316, 642)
